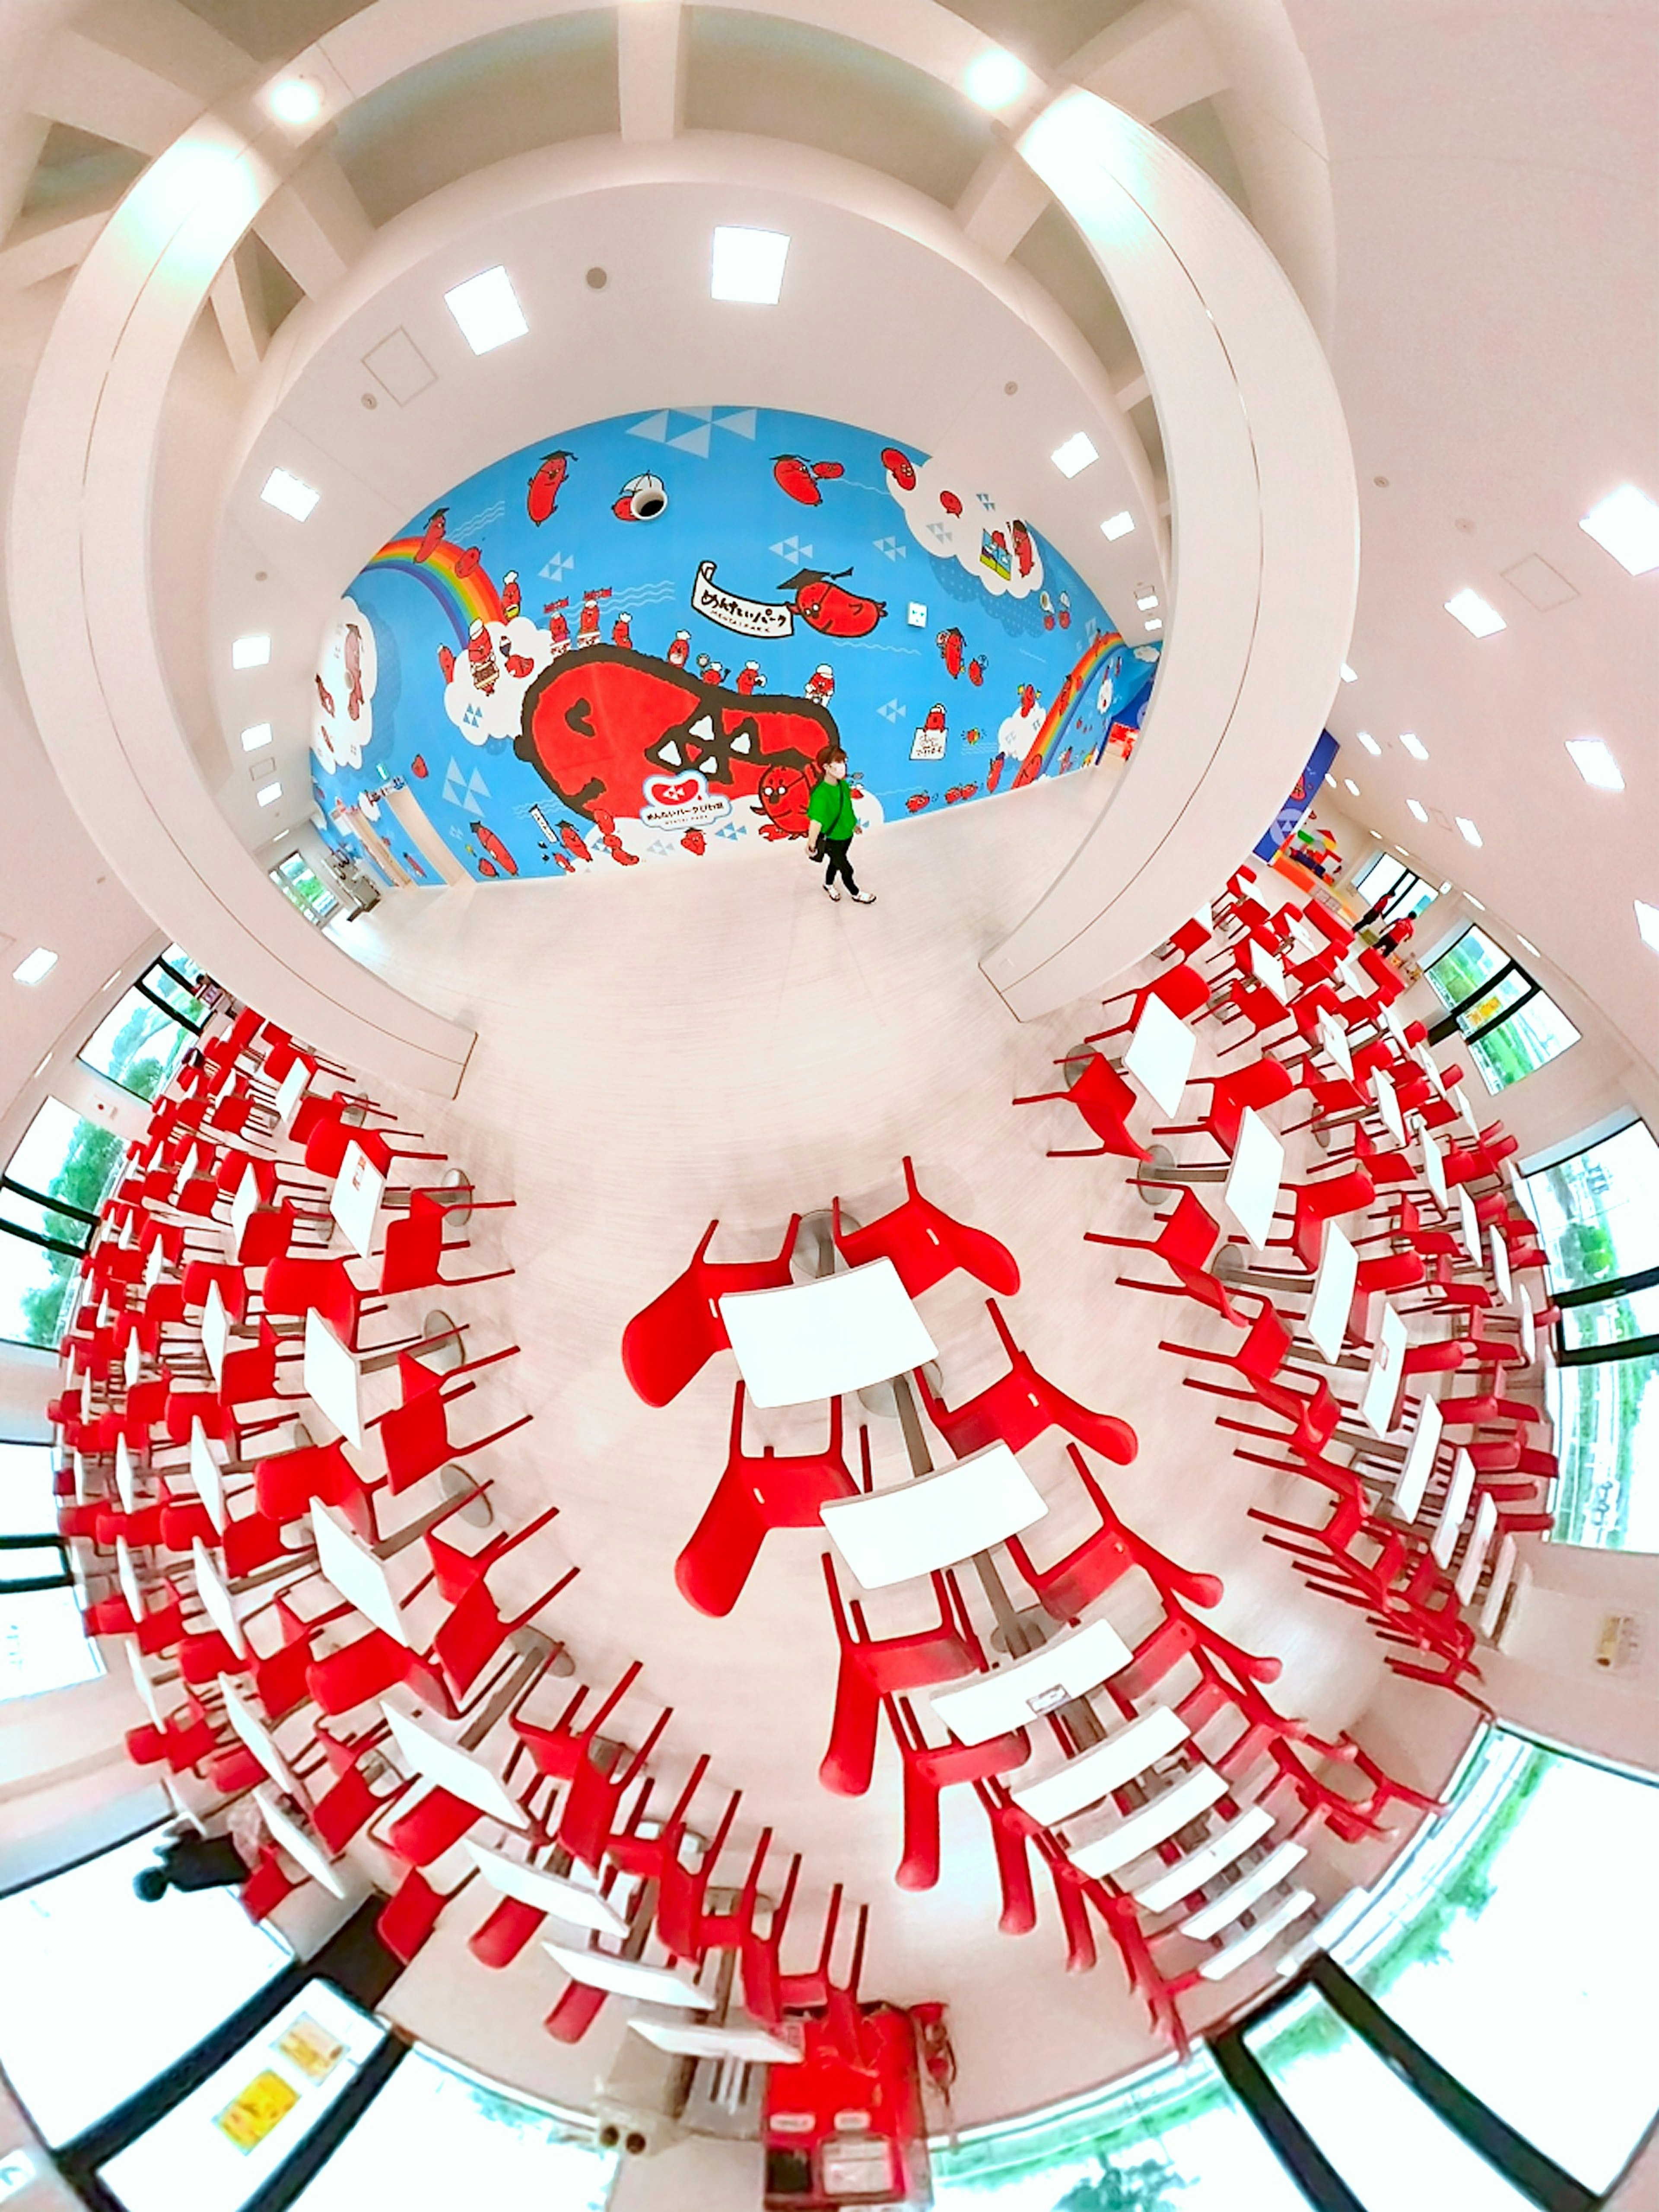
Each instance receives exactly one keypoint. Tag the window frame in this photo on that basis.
(1450, 1023)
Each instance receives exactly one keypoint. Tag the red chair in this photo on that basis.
(1261, 1084)
(295, 1287)
(928, 1770)
(416, 1439)
(415, 1246)
(475, 1631)
(455, 1572)
(1182, 989)
(1314, 1204)
(360, 1672)
(1184, 1244)
(266, 1887)
(1019, 1406)
(288, 1485)
(413, 1912)
(1065, 1589)
(674, 1338)
(1105, 1102)
(925, 1244)
(873, 1668)
(756, 1493)
(507, 1932)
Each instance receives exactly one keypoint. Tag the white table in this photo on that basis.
(1065, 1668)
(1256, 1937)
(1434, 1169)
(1454, 1508)
(333, 1378)
(1269, 973)
(1334, 1036)
(125, 1488)
(631, 1978)
(1503, 1281)
(934, 1520)
(449, 1768)
(1106, 1765)
(820, 1339)
(290, 1090)
(155, 1265)
(1388, 1104)
(1162, 1817)
(1468, 1222)
(1419, 1462)
(141, 1680)
(1171, 1883)
(1251, 1190)
(1459, 1098)
(1381, 1398)
(1431, 1068)
(126, 1574)
(243, 1207)
(1211, 1919)
(1480, 1543)
(1333, 1293)
(259, 1740)
(555, 1895)
(1524, 1307)
(1160, 1055)
(207, 1473)
(216, 1600)
(355, 1201)
(77, 1460)
(132, 1361)
(351, 1567)
(753, 2045)
(302, 1847)
(215, 1330)
(1498, 1589)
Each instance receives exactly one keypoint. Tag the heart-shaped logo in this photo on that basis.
(672, 791)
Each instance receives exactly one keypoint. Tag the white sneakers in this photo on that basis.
(864, 898)
(830, 891)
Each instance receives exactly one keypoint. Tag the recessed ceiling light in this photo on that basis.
(1445, 887)
(40, 963)
(1527, 945)
(1414, 744)
(1144, 599)
(269, 793)
(1351, 787)
(294, 99)
(1119, 525)
(1469, 899)
(1418, 811)
(487, 308)
(1330, 783)
(249, 651)
(1154, 622)
(1477, 617)
(257, 734)
(1368, 741)
(1471, 835)
(748, 265)
(110, 981)
(1595, 763)
(1626, 522)
(995, 78)
(1075, 455)
(1647, 920)
(289, 493)
(1377, 834)
(44, 1065)
(1349, 675)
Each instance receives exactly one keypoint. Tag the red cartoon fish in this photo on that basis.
(418, 767)
(433, 537)
(900, 467)
(493, 845)
(950, 502)
(543, 493)
(916, 804)
(800, 479)
(446, 662)
(976, 669)
(325, 695)
(823, 605)
(783, 792)
(1024, 550)
(351, 653)
(951, 645)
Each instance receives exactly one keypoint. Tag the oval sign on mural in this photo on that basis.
(634, 642)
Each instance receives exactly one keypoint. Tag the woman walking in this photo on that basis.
(834, 825)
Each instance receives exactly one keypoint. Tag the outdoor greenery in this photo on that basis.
(89, 1169)
(1142, 2188)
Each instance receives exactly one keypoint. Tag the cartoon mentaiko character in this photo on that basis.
(900, 467)
(541, 497)
(433, 536)
(823, 605)
(951, 646)
(1024, 550)
(326, 696)
(493, 845)
(558, 630)
(802, 478)
(679, 650)
(351, 653)
(622, 629)
(749, 678)
(512, 598)
(641, 499)
(587, 622)
(821, 684)
(481, 660)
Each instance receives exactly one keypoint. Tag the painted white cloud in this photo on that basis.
(343, 704)
(1017, 735)
(484, 695)
(980, 535)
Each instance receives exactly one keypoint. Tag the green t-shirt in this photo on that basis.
(831, 807)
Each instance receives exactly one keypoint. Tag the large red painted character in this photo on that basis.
(599, 720)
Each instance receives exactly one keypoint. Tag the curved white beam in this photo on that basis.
(78, 563)
(1266, 552)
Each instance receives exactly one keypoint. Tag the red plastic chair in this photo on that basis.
(756, 1493)
(1105, 1102)
(432, 1824)
(673, 1338)
(413, 1912)
(1071, 1585)
(416, 1439)
(507, 1932)
(1182, 989)
(455, 1572)
(873, 1668)
(475, 1632)
(266, 1887)
(1184, 1244)
(295, 1287)
(415, 1246)
(1019, 1406)
(1261, 1082)
(925, 1244)
(928, 1770)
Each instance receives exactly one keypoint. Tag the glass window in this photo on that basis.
(1598, 1212)
(1394, 2152)
(1537, 1033)
(300, 882)
(172, 977)
(1473, 961)
(1606, 1440)
(1174, 2140)
(1392, 892)
(101, 1992)
(143, 1036)
(436, 2137)
(27, 1503)
(1510, 1025)
(43, 1644)
(62, 1156)
(226, 2138)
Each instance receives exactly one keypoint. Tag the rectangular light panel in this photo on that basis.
(1119, 525)
(1594, 762)
(249, 651)
(1075, 455)
(487, 309)
(1625, 523)
(748, 265)
(290, 493)
(1477, 617)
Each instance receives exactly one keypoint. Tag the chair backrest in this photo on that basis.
(1183, 990)
(414, 1246)
(673, 1338)
(925, 1243)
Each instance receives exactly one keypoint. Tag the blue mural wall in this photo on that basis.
(633, 642)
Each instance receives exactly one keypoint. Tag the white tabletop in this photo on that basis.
(156, 1265)
(1106, 1765)
(1480, 1543)
(1162, 1817)
(1523, 1305)
(1388, 1104)
(1269, 973)
(258, 1739)
(332, 1377)
(1471, 1120)
(933, 1520)
(1468, 1222)
(290, 1090)
(125, 1489)
(1065, 1668)
(354, 1201)
(141, 1680)
(1434, 1169)
(132, 1361)
(1453, 1509)
(820, 1339)
(1171, 1883)
(1333, 1035)
(1303, 938)
(1503, 1281)
(753, 2044)
(302, 1847)
(451, 1768)
(630, 1977)
(1419, 1462)
(77, 1461)
(243, 1207)
(1431, 1068)
(1222, 1911)
(1160, 1055)
(573, 1902)
(347, 1563)
(1251, 1190)
(1498, 1589)
(215, 1329)
(206, 1472)
(127, 1573)
(1333, 1294)
(216, 1600)
(1380, 1400)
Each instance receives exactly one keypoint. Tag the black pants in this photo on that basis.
(837, 848)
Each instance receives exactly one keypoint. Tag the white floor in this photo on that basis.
(660, 1046)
